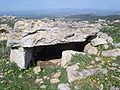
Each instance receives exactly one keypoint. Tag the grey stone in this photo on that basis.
(67, 56)
(54, 80)
(32, 33)
(73, 72)
(63, 86)
(113, 53)
(89, 49)
(98, 41)
(21, 57)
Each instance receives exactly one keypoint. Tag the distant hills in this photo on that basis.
(62, 12)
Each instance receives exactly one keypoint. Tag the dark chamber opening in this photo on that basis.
(45, 53)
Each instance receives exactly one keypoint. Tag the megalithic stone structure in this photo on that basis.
(28, 34)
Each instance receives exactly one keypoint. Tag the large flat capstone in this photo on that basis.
(30, 33)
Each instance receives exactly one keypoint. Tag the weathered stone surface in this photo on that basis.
(21, 57)
(105, 36)
(54, 80)
(30, 33)
(114, 53)
(89, 49)
(63, 86)
(67, 55)
(73, 72)
(56, 75)
(98, 41)
(37, 69)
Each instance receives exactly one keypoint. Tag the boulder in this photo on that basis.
(63, 86)
(73, 72)
(50, 32)
(21, 57)
(89, 49)
(113, 53)
(67, 56)
(98, 41)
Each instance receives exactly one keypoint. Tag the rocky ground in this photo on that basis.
(96, 68)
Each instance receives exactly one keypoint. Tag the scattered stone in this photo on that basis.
(20, 76)
(98, 41)
(98, 59)
(43, 86)
(1, 75)
(67, 55)
(54, 80)
(37, 69)
(55, 61)
(46, 77)
(74, 74)
(113, 53)
(56, 75)
(116, 44)
(89, 49)
(93, 62)
(106, 46)
(63, 86)
(40, 81)
(114, 88)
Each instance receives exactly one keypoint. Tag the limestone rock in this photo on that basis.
(63, 86)
(32, 33)
(67, 55)
(56, 75)
(39, 80)
(114, 53)
(74, 74)
(98, 41)
(21, 57)
(89, 49)
(54, 80)
(37, 69)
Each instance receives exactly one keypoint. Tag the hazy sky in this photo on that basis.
(7, 5)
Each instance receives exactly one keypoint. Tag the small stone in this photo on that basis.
(93, 62)
(45, 77)
(97, 59)
(113, 53)
(67, 55)
(39, 81)
(63, 86)
(106, 46)
(98, 41)
(56, 75)
(43, 86)
(114, 88)
(55, 80)
(20, 76)
(37, 69)
(89, 49)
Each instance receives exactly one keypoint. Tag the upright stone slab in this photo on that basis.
(21, 56)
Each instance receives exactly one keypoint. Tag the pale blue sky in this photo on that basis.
(8, 5)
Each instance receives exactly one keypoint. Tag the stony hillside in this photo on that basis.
(96, 67)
